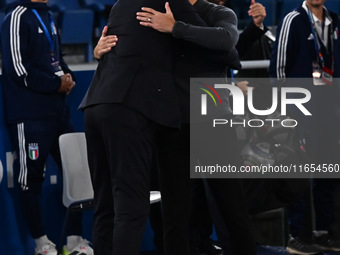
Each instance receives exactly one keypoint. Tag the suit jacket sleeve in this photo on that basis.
(251, 34)
(184, 12)
(221, 32)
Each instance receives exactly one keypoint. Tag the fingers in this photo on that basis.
(104, 32)
(242, 83)
(104, 50)
(162, 22)
(108, 41)
(257, 9)
(67, 84)
(244, 86)
(258, 13)
(146, 24)
(67, 77)
(145, 16)
(70, 88)
(141, 16)
(111, 39)
(167, 8)
(150, 10)
(106, 44)
(252, 2)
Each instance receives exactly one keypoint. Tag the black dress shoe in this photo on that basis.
(210, 248)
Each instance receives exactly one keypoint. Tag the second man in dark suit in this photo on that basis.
(132, 92)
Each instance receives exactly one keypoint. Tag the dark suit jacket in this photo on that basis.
(138, 72)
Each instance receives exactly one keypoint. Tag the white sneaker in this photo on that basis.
(46, 249)
(82, 248)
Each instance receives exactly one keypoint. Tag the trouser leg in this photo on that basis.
(173, 154)
(120, 153)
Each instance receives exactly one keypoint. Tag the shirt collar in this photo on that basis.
(327, 20)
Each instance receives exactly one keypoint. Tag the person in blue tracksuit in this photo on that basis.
(307, 46)
(35, 82)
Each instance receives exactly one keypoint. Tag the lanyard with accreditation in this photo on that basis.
(54, 62)
(322, 74)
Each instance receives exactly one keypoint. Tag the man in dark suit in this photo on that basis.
(131, 93)
(208, 55)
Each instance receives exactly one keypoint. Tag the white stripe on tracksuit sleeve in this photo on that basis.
(282, 45)
(15, 40)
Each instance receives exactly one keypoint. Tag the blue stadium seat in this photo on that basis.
(101, 9)
(98, 5)
(75, 24)
(286, 6)
(271, 10)
(3, 3)
(63, 5)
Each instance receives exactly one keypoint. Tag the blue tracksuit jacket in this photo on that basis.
(30, 84)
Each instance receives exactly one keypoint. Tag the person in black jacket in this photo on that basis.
(200, 60)
(132, 93)
(176, 227)
(195, 36)
(36, 81)
(307, 46)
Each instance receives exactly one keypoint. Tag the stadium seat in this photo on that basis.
(271, 10)
(101, 9)
(286, 6)
(98, 3)
(77, 185)
(63, 5)
(75, 24)
(3, 4)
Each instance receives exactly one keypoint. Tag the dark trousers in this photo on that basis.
(227, 193)
(35, 140)
(231, 205)
(156, 216)
(322, 148)
(120, 144)
(201, 224)
(173, 155)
